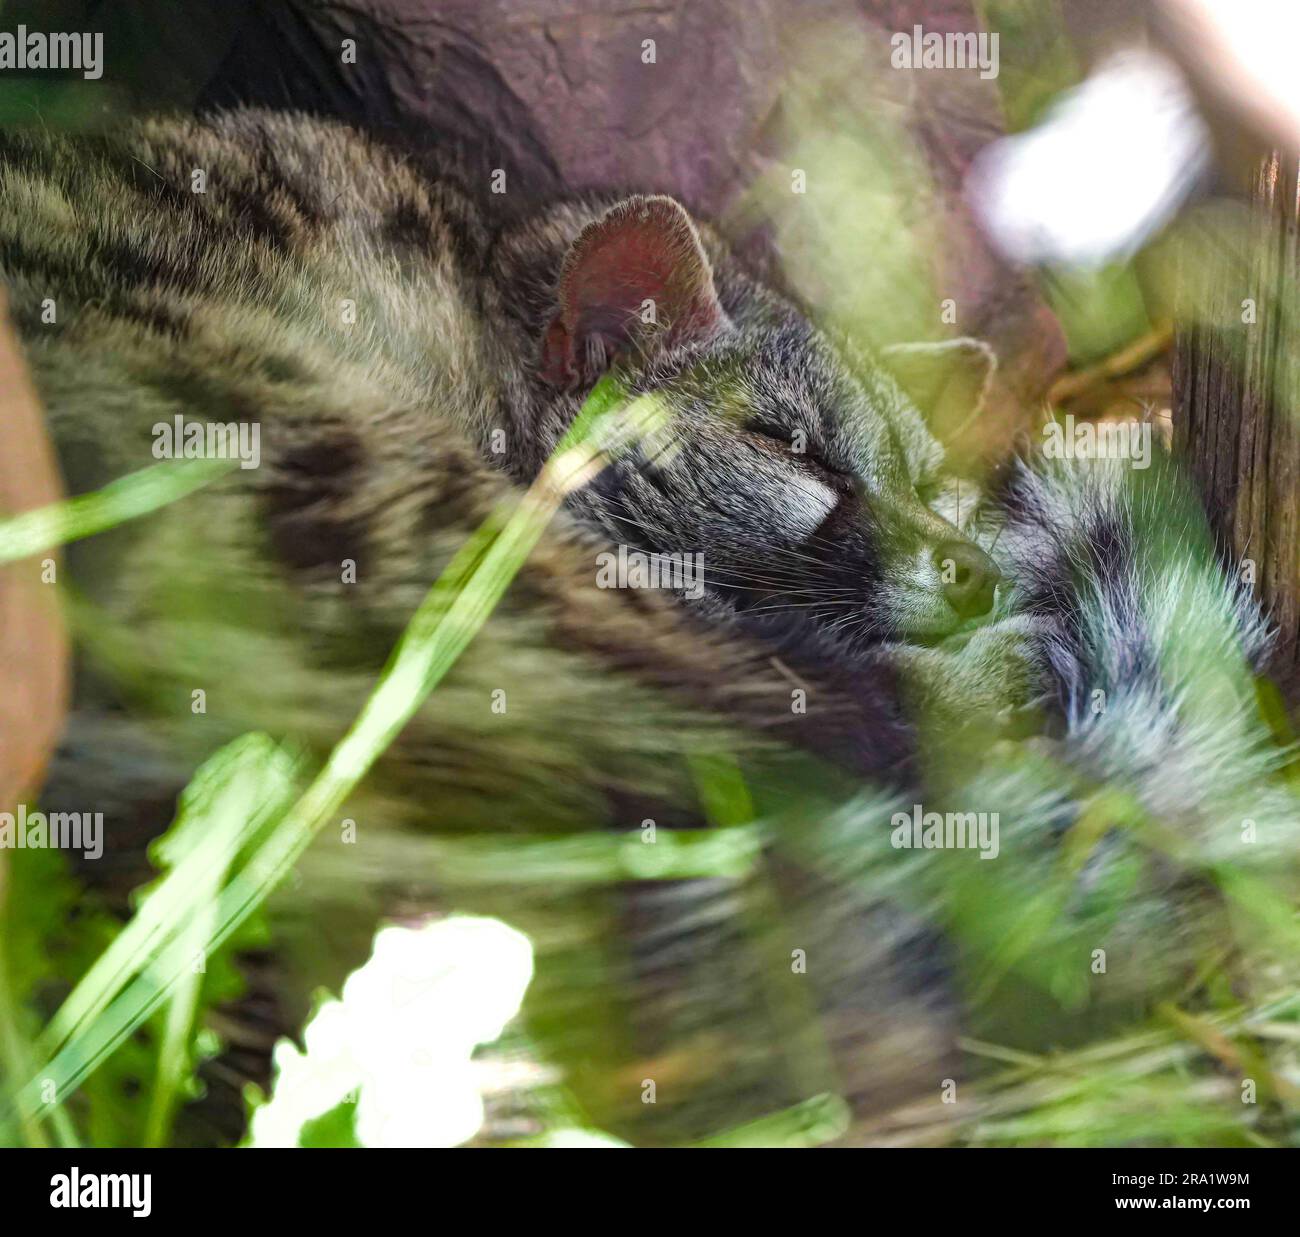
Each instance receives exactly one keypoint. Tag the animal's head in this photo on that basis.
(796, 465)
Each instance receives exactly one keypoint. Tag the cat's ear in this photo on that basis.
(948, 380)
(637, 278)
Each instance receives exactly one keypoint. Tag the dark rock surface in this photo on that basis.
(559, 95)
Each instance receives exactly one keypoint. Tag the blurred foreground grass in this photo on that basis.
(246, 818)
(1178, 1078)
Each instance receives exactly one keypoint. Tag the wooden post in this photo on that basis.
(1237, 399)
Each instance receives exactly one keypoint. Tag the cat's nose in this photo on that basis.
(969, 577)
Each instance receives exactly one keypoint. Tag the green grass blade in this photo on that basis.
(110, 1004)
(137, 494)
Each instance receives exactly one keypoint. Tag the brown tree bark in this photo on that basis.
(1237, 399)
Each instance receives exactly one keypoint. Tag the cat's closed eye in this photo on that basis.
(798, 448)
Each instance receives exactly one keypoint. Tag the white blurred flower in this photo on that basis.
(403, 1034)
(1111, 163)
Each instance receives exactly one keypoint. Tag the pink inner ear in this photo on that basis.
(643, 249)
(621, 269)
